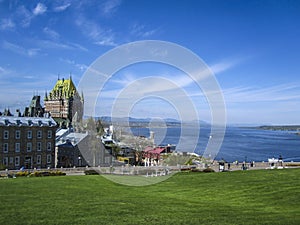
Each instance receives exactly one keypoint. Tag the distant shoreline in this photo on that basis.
(295, 128)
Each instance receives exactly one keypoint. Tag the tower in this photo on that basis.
(64, 102)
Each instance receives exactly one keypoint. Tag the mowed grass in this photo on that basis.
(241, 197)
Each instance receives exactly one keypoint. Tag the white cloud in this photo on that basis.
(24, 15)
(107, 41)
(62, 7)
(284, 92)
(4, 71)
(110, 6)
(6, 24)
(39, 9)
(48, 44)
(20, 50)
(141, 31)
(81, 67)
(93, 31)
(51, 33)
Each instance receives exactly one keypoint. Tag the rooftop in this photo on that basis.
(27, 121)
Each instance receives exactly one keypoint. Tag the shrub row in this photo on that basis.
(40, 173)
(91, 172)
(207, 170)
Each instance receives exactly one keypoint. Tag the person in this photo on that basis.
(228, 166)
(280, 160)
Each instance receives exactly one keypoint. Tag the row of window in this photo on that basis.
(16, 160)
(28, 147)
(39, 134)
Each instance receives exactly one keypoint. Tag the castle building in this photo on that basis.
(64, 103)
(35, 108)
(27, 142)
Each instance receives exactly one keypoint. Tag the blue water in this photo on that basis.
(239, 143)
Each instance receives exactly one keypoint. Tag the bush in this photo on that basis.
(22, 174)
(91, 172)
(208, 170)
(46, 173)
(195, 170)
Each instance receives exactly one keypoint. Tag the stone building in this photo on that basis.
(75, 149)
(35, 108)
(64, 103)
(27, 142)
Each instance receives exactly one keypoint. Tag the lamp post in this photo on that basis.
(79, 161)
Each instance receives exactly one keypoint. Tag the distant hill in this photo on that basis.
(144, 122)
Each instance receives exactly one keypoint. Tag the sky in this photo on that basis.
(252, 48)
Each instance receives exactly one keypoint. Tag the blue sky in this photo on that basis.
(252, 47)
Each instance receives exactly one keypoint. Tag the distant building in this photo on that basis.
(27, 142)
(64, 103)
(35, 108)
(6, 113)
(74, 149)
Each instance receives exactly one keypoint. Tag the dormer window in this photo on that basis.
(19, 122)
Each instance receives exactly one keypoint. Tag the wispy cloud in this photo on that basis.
(24, 15)
(19, 49)
(80, 66)
(109, 7)
(39, 9)
(61, 8)
(51, 33)
(93, 31)
(107, 41)
(180, 79)
(6, 24)
(284, 92)
(140, 30)
(56, 44)
(4, 71)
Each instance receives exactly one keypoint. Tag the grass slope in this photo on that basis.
(242, 197)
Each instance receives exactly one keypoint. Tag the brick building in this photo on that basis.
(63, 103)
(27, 142)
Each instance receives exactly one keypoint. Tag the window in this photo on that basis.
(6, 134)
(17, 161)
(49, 134)
(5, 147)
(48, 158)
(29, 147)
(38, 159)
(39, 134)
(11, 160)
(18, 134)
(39, 146)
(5, 161)
(29, 134)
(17, 147)
(49, 146)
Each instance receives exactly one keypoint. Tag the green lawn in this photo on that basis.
(241, 197)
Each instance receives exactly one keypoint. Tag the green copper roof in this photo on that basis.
(64, 88)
